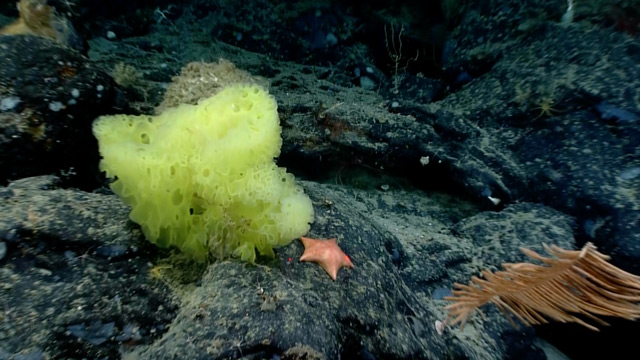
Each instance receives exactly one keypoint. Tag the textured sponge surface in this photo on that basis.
(202, 178)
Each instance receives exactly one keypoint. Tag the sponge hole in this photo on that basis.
(144, 138)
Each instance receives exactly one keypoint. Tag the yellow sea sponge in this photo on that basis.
(203, 178)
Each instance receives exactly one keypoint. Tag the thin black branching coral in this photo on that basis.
(570, 286)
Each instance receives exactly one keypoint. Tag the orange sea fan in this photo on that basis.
(568, 287)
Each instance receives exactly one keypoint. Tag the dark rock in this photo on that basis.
(50, 96)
